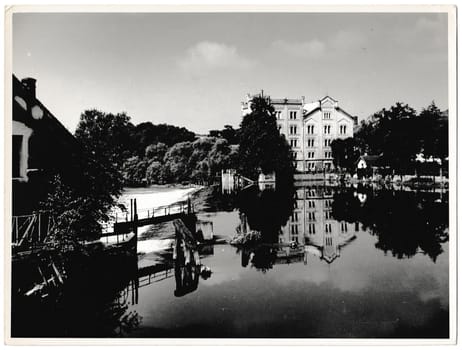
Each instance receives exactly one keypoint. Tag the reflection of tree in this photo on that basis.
(261, 256)
(267, 211)
(405, 222)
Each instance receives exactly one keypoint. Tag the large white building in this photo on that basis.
(310, 128)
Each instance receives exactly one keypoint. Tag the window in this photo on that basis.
(327, 129)
(292, 115)
(294, 155)
(311, 229)
(311, 204)
(328, 228)
(310, 129)
(326, 115)
(294, 229)
(310, 143)
(328, 214)
(343, 129)
(17, 148)
(344, 226)
(327, 142)
(293, 143)
(310, 155)
(311, 216)
(278, 114)
(327, 154)
(293, 130)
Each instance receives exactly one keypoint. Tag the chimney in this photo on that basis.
(29, 85)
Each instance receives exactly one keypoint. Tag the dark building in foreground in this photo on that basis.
(41, 148)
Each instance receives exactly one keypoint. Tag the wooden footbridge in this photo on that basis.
(179, 210)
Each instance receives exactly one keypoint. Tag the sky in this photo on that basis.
(194, 69)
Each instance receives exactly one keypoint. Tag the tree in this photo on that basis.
(145, 134)
(228, 133)
(396, 137)
(134, 171)
(177, 162)
(156, 173)
(345, 153)
(105, 134)
(261, 146)
(79, 208)
(434, 132)
(156, 151)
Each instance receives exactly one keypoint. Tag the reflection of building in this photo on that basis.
(312, 224)
(310, 128)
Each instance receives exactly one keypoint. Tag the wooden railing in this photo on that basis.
(27, 230)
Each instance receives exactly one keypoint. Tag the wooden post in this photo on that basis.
(39, 226)
(135, 228)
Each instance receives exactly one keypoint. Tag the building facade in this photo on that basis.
(310, 128)
(41, 148)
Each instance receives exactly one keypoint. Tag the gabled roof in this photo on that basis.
(327, 97)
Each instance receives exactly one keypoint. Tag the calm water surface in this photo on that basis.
(367, 264)
(331, 262)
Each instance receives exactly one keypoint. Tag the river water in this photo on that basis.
(331, 262)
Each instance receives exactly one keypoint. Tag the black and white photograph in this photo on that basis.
(209, 173)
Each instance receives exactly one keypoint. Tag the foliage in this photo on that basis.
(105, 134)
(134, 171)
(145, 134)
(228, 133)
(156, 151)
(433, 130)
(261, 146)
(345, 153)
(398, 134)
(73, 214)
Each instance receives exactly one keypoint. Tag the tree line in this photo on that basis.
(115, 153)
(397, 134)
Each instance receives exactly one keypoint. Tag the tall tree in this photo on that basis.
(345, 153)
(261, 147)
(395, 131)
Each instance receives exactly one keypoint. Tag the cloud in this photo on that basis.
(341, 42)
(347, 41)
(307, 49)
(206, 56)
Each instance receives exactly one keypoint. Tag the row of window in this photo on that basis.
(327, 129)
(310, 129)
(292, 115)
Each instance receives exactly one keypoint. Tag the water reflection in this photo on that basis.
(188, 267)
(406, 223)
(325, 219)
